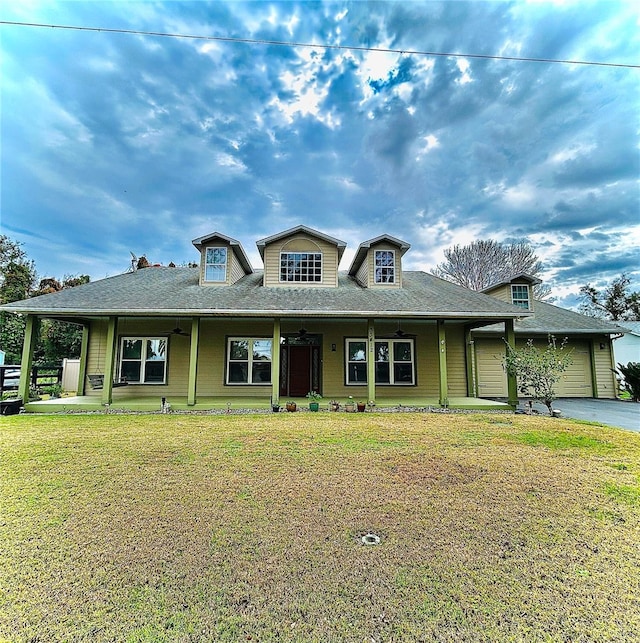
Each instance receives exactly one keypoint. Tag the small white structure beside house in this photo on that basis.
(627, 347)
(70, 375)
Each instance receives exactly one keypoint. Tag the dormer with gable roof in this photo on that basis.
(517, 290)
(378, 262)
(301, 257)
(223, 261)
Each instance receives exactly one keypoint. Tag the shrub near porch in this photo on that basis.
(177, 528)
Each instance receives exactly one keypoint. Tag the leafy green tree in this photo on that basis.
(538, 371)
(58, 339)
(17, 278)
(631, 374)
(615, 301)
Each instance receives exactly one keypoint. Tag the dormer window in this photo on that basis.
(303, 267)
(216, 265)
(385, 267)
(520, 296)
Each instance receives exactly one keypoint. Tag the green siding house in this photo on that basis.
(224, 333)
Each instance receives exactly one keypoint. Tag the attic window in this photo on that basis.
(215, 264)
(385, 267)
(301, 266)
(520, 296)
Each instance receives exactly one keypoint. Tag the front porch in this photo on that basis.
(147, 404)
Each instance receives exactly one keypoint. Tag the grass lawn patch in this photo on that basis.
(249, 527)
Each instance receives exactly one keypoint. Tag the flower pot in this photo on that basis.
(314, 406)
(361, 407)
(349, 407)
(291, 407)
(275, 408)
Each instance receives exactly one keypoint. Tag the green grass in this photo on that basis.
(226, 528)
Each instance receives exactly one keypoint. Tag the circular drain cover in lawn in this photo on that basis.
(370, 539)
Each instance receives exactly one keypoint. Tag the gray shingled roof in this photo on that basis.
(551, 319)
(172, 291)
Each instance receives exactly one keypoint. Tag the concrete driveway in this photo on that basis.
(619, 413)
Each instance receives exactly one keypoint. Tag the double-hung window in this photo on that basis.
(215, 268)
(385, 266)
(302, 267)
(248, 360)
(394, 361)
(520, 296)
(143, 360)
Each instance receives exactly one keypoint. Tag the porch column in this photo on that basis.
(30, 338)
(275, 363)
(109, 361)
(471, 363)
(371, 361)
(84, 353)
(442, 361)
(594, 374)
(512, 380)
(193, 361)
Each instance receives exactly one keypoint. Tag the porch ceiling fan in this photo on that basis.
(399, 334)
(177, 330)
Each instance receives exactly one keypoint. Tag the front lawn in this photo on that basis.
(249, 528)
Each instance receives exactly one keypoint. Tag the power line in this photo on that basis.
(282, 43)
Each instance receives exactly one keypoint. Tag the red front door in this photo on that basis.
(299, 370)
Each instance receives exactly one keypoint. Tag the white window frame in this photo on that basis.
(350, 369)
(249, 361)
(520, 300)
(144, 361)
(389, 270)
(216, 265)
(310, 272)
(351, 366)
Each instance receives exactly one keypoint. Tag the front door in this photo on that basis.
(300, 366)
(299, 370)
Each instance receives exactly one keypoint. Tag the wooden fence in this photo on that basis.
(40, 378)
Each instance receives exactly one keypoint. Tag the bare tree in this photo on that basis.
(485, 262)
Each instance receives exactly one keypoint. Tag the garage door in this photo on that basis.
(576, 380)
(492, 381)
(490, 375)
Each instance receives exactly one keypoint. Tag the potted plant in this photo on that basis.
(350, 407)
(291, 406)
(334, 405)
(314, 400)
(361, 407)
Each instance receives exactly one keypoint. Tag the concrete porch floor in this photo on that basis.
(151, 404)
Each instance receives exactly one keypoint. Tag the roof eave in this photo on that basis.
(231, 312)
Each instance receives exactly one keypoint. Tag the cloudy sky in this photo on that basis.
(115, 143)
